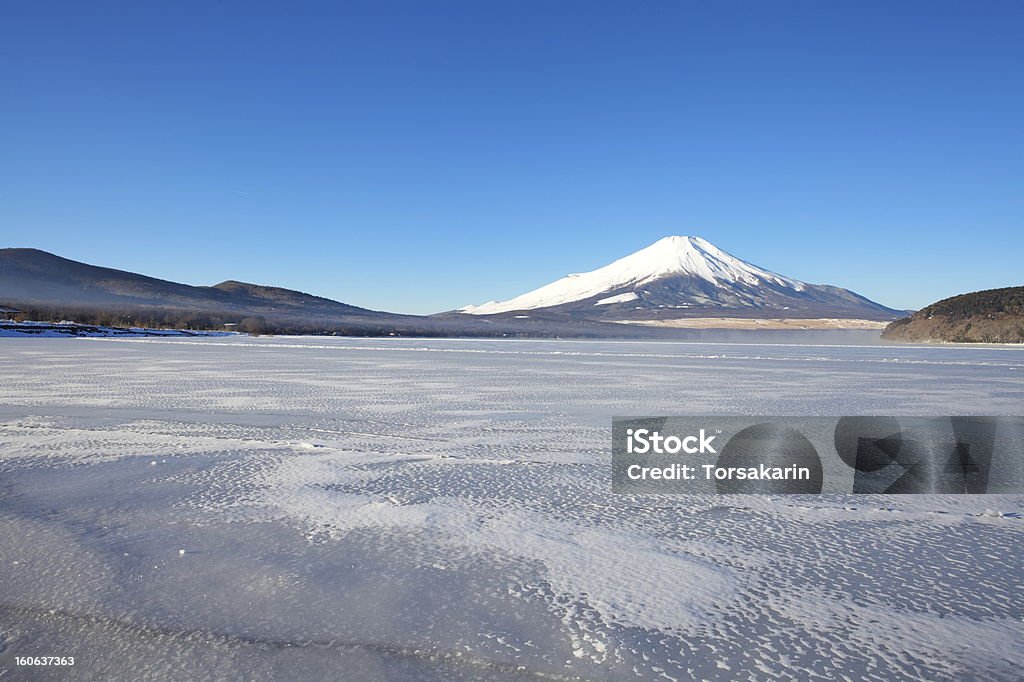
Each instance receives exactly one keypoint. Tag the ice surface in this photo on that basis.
(371, 509)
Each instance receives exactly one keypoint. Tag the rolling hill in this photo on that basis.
(990, 316)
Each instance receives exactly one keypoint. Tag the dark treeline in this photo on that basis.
(171, 318)
(176, 318)
(989, 302)
(156, 318)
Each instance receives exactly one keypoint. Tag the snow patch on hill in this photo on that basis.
(620, 298)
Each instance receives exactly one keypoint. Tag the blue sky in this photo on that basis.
(419, 156)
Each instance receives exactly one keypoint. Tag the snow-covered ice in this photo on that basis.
(441, 509)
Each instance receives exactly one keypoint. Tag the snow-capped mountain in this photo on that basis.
(686, 277)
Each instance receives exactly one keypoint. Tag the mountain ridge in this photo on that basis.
(38, 285)
(685, 276)
(35, 284)
(33, 276)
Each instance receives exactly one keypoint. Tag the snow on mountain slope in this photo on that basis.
(686, 277)
(688, 256)
(618, 298)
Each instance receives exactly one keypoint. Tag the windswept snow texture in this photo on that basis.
(309, 508)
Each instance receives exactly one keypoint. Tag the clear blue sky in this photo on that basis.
(419, 156)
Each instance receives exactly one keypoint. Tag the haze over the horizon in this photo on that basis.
(418, 157)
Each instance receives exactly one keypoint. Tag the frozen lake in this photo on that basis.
(441, 509)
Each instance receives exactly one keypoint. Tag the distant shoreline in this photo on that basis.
(753, 323)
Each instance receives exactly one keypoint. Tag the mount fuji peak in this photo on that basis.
(687, 276)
